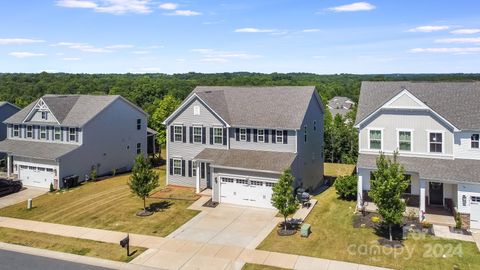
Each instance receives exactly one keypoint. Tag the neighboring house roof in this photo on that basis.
(340, 105)
(151, 131)
(36, 149)
(457, 102)
(434, 169)
(270, 107)
(248, 159)
(71, 110)
(3, 103)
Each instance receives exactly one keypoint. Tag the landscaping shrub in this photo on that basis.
(346, 187)
(376, 219)
(458, 221)
(51, 188)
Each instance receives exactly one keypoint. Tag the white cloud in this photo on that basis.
(84, 47)
(25, 54)
(168, 6)
(148, 70)
(429, 28)
(184, 13)
(71, 59)
(458, 40)
(447, 50)
(254, 30)
(466, 31)
(119, 46)
(19, 41)
(141, 52)
(313, 30)
(358, 6)
(211, 55)
(109, 6)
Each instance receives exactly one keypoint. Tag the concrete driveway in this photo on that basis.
(22, 196)
(229, 225)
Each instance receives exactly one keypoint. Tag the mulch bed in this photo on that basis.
(459, 231)
(210, 204)
(283, 232)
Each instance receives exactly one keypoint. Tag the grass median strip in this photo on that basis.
(251, 266)
(68, 245)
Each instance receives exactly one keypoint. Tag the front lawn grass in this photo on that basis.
(251, 266)
(333, 237)
(68, 245)
(338, 169)
(107, 204)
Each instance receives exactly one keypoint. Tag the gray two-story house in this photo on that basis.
(238, 140)
(435, 128)
(58, 136)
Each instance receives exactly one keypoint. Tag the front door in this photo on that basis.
(436, 193)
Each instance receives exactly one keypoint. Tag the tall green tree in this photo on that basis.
(143, 179)
(386, 188)
(162, 108)
(283, 198)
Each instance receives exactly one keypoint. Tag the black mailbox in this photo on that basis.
(125, 242)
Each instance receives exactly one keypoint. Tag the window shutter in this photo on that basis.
(232, 133)
(171, 166)
(204, 135)
(171, 133)
(184, 135)
(211, 135)
(78, 134)
(48, 133)
(68, 134)
(189, 168)
(11, 130)
(202, 169)
(285, 136)
(224, 136)
(183, 167)
(237, 134)
(190, 132)
(61, 133)
(248, 134)
(255, 135)
(266, 135)
(274, 134)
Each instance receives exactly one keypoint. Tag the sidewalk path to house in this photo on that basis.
(21, 196)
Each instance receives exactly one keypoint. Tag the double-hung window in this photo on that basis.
(43, 132)
(177, 166)
(261, 135)
(73, 134)
(139, 124)
(243, 134)
(29, 131)
(57, 134)
(139, 148)
(16, 131)
(194, 168)
(474, 141)
(218, 135)
(405, 141)
(178, 133)
(197, 134)
(375, 139)
(436, 142)
(279, 136)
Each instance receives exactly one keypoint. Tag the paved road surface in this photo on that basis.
(20, 261)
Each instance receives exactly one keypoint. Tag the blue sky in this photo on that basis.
(322, 36)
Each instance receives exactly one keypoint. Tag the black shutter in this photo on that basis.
(34, 130)
(171, 166)
(232, 133)
(48, 133)
(171, 134)
(237, 134)
(202, 170)
(285, 137)
(184, 134)
(190, 131)
(211, 135)
(265, 132)
(224, 136)
(183, 167)
(274, 133)
(255, 135)
(77, 131)
(204, 135)
(248, 134)
(189, 168)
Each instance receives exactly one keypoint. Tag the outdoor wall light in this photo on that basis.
(464, 200)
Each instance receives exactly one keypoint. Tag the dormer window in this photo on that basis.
(44, 115)
(16, 131)
(73, 134)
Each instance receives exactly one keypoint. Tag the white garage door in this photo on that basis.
(475, 212)
(257, 193)
(36, 176)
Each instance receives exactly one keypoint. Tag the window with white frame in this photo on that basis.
(375, 139)
(43, 132)
(436, 142)
(194, 168)
(197, 134)
(279, 136)
(16, 131)
(196, 110)
(177, 166)
(57, 133)
(44, 115)
(218, 135)
(178, 133)
(405, 140)
(305, 133)
(243, 134)
(29, 131)
(474, 141)
(72, 134)
(261, 135)
(269, 184)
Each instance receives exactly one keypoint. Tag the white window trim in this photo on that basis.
(194, 168)
(31, 132)
(201, 134)
(216, 136)
(260, 136)
(196, 110)
(40, 133)
(74, 133)
(240, 134)
(46, 115)
(175, 133)
(139, 149)
(471, 148)
(55, 129)
(277, 136)
(381, 139)
(443, 141)
(398, 139)
(17, 130)
(173, 166)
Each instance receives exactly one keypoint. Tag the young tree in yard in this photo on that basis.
(386, 189)
(162, 109)
(143, 179)
(283, 198)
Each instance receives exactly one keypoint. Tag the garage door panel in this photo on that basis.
(37, 176)
(475, 212)
(254, 193)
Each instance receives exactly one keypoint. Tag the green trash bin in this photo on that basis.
(305, 230)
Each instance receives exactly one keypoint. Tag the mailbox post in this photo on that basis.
(125, 242)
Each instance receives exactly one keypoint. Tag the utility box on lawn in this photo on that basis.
(305, 230)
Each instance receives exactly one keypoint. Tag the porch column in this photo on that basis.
(421, 214)
(197, 177)
(359, 192)
(9, 166)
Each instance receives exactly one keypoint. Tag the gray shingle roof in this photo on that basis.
(35, 149)
(457, 102)
(248, 159)
(271, 107)
(435, 169)
(2, 103)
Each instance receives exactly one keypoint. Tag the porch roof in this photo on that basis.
(35, 149)
(248, 159)
(435, 169)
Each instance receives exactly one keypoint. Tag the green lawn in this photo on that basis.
(68, 245)
(251, 266)
(108, 204)
(338, 169)
(333, 237)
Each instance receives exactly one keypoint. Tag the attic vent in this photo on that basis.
(208, 92)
